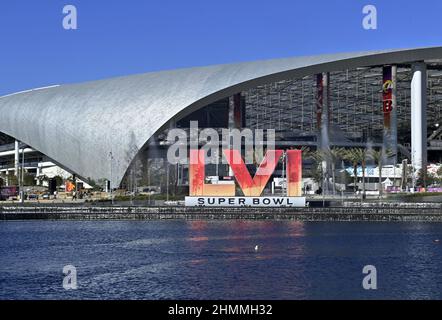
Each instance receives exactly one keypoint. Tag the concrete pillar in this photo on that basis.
(419, 116)
(323, 124)
(38, 174)
(16, 157)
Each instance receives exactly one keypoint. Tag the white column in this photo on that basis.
(16, 157)
(325, 131)
(419, 116)
(38, 173)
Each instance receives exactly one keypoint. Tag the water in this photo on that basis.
(217, 259)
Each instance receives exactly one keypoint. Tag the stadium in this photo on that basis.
(112, 134)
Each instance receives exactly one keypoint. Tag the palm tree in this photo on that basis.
(334, 155)
(331, 155)
(317, 156)
(378, 157)
(351, 157)
(358, 156)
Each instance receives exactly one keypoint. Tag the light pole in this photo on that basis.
(167, 182)
(111, 178)
(22, 192)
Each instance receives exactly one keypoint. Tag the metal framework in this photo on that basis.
(355, 104)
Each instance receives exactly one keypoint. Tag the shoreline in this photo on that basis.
(362, 212)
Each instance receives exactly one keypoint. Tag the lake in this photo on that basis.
(179, 259)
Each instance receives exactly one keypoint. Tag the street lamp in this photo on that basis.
(111, 178)
(21, 177)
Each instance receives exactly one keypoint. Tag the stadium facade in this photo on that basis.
(116, 129)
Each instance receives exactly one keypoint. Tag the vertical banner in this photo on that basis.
(237, 110)
(387, 96)
(323, 110)
(319, 99)
(389, 111)
(234, 119)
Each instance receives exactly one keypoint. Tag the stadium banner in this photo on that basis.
(387, 95)
(319, 99)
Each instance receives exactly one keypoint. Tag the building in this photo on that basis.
(15, 155)
(116, 129)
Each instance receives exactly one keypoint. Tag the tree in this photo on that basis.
(334, 155)
(317, 157)
(438, 176)
(378, 157)
(58, 181)
(353, 159)
(358, 156)
(426, 178)
(13, 180)
(439, 172)
(42, 178)
(28, 179)
(343, 178)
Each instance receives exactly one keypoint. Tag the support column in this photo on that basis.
(323, 123)
(323, 110)
(419, 116)
(38, 174)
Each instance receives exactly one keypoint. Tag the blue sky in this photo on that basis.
(116, 37)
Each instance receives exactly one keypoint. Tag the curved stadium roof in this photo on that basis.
(78, 125)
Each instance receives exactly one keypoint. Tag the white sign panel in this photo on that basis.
(245, 201)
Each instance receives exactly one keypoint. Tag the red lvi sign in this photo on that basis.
(251, 187)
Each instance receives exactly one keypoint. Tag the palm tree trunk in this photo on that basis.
(355, 176)
(363, 180)
(381, 191)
